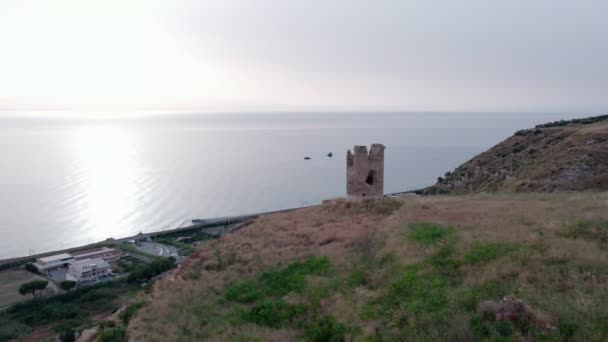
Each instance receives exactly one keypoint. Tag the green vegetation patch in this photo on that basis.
(419, 292)
(246, 291)
(273, 313)
(293, 277)
(112, 333)
(130, 311)
(481, 253)
(148, 271)
(11, 329)
(277, 282)
(65, 312)
(326, 329)
(446, 264)
(429, 234)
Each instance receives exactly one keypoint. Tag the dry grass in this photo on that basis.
(514, 240)
(10, 280)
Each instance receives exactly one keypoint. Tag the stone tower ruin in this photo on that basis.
(365, 173)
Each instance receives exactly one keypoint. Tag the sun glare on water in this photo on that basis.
(107, 158)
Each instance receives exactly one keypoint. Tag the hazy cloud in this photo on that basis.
(544, 55)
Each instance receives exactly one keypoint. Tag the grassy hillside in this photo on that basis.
(558, 156)
(483, 267)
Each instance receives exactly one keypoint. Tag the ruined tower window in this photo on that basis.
(370, 177)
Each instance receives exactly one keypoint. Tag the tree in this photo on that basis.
(67, 285)
(32, 287)
(32, 268)
(154, 268)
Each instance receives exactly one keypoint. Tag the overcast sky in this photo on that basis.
(245, 55)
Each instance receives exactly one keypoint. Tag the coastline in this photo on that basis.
(207, 223)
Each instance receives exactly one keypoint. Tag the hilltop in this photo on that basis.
(558, 156)
(482, 267)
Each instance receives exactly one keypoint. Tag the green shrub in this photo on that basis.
(480, 253)
(10, 330)
(67, 285)
(428, 233)
(32, 287)
(446, 265)
(130, 310)
(146, 272)
(246, 291)
(417, 298)
(113, 334)
(32, 268)
(67, 336)
(79, 303)
(273, 313)
(326, 329)
(358, 278)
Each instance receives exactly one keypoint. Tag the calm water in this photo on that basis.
(66, 183)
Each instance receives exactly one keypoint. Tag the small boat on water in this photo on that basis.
(330, 154)
(306, 158)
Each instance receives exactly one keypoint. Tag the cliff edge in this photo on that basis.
(557, 156)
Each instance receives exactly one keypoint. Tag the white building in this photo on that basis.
(53, 262)
(88, 270)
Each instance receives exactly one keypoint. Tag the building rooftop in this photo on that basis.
(56, 257)
(81, 266)
(101, 252)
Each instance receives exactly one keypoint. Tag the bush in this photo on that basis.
(131, 310)
(67, 336)
(446, 265)
(420, 293)
(146, 272)
(480, 253)
(67, 285)
(246, 291)
(273, 313)
(112, 334)
(428, 233)
(293, 277)
(32, 268)
(326, 329)
(32, 287)
(10, 330)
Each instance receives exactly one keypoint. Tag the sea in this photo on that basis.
(66, 182)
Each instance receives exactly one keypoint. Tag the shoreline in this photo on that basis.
(207, 223)
(213, 222)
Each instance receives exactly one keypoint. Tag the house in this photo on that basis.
(63, 260)
(88, 270)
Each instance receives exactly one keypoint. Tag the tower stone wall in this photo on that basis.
(365, 173)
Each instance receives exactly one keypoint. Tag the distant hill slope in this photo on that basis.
(558, 156)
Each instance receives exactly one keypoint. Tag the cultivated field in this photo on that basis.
(10, 280)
